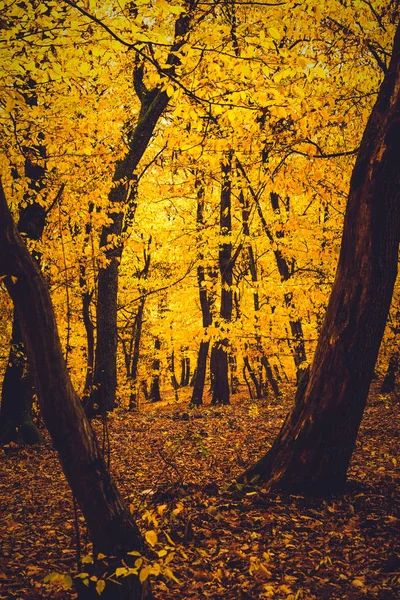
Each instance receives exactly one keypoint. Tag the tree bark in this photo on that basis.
(123, 196)
(312, 451)
(16, 423)
(390, 376)
(155, 395)
(205, 304)
(256, 302)
(111, 527)
(219, 352)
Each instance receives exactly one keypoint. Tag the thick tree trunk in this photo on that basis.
(111, 527)
(312, 451)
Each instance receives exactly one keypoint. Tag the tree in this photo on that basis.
(111, 527)
(312, 451)
(219, 351)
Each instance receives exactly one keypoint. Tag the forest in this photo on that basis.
(199, 305)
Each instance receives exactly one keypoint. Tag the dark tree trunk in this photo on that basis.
(185, 370)
(123, 195)
(89, 328)
(272, 380)
(312, 451)
(87, 296)
(256, 301)
(111, 527)
(198, 388)
(16, 423)
(205, 304)
(234, 381)
(285, 271)
(137, 336)
(219, 352)
(155, 395)
(219, 373)
(390, 377)
(253, 378)
(174, 381)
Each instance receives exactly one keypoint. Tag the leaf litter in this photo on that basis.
(173, 465)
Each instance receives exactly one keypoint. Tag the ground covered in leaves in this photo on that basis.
(173, 466)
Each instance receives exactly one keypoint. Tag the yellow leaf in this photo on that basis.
(274, 33)
(151, 537)
(100, 586)
(144, 573)
(170, 574)
(67, 582)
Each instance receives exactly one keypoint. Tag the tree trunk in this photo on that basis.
(390, 377)
(219, 352)
(198, 388)
(123, 195)
(256, 302)
(312, 451)
(219, 373)
(285, 271)
(16, 423)
(155, 395)
(205, 304)
(253, 378)
(111, 527)
(89, 328)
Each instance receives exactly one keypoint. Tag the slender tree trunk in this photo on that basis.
(312, 451)
(219, 352)
(205, 304)
(253, 378)
(256, 301)
(155, 395)
(390, 377)
(123, 195)
(89, 328)
(137, 336)
(286, 272)
(111, 527)
(174, 381)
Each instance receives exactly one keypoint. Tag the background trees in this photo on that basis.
(284, 91)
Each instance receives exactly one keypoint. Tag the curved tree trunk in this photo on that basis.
(111, 527)
(312, 451)
(123, 197)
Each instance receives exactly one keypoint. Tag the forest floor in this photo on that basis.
(172, 466)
